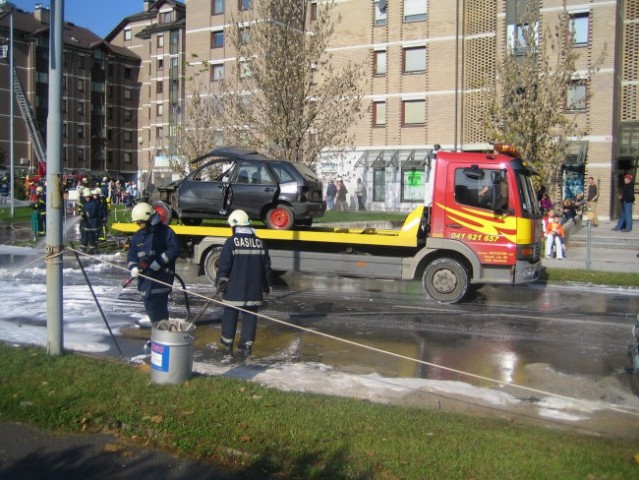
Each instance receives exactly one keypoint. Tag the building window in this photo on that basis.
(165, 17)
(415, 60)
(80, 131)
(379, 60)
(128, 94)
(521, 37)
(313, 13)
(80, 85)
(379, 185)
(128, 114)
(414, 10)
(381, 17)
(413, 112)
(579, 26)
(160, 42)
(244, 5)
(127, 34)
(65, 129)
(81, 108)
(217, 72)
(128, 73)
(80, 154)
(110, 113)
(128, 137)
(217, 7)
(245, 35)
(379, 114)
(81, 62)
(246, 103)
(160, 64)
(245, 69)
(126, 157)
(576, 96)
(217, 39)
(159, 86)
(159, 109)
(159, 132)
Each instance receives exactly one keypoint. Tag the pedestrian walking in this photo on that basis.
(592, 197)
(153, 250)
(360, 191)
(331, 191)
(340, 199)
(243, 275)
(627, 198)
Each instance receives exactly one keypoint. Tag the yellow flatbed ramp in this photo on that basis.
(407, 236)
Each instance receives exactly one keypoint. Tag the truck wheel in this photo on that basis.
(210, 263)
(163, 210)
(280, 218)
(446, 280)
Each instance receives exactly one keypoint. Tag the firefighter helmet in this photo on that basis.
(96, 191)
(238, 218)
(142, 212)
(105, 179)
(86, 192)
(39, 189)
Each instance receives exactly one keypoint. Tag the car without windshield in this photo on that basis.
(282, 194)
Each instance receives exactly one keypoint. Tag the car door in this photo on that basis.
(202, 192)
(253, 188)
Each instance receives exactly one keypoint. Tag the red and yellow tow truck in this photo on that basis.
(479, 224)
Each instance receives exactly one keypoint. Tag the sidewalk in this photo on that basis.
(600, 249)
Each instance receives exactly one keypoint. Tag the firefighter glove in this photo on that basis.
(222, 284)
(135, 271)
(143, 265)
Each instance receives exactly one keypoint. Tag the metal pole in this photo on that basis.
(53, 249)
(11, 115)
(589, 243)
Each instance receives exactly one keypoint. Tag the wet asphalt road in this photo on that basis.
(576, 330)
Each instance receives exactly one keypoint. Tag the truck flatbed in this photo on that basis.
(406, 237)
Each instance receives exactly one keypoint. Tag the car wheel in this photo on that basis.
(163, 210)
(210, 263)
(192, 222)
(280, 218)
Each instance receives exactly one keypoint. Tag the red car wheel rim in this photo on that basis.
(279, 218)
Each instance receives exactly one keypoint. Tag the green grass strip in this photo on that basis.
(249, 428)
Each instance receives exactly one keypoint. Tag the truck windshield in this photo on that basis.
(528, 198)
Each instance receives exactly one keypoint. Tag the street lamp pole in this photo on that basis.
(4, 3)
(11, 115)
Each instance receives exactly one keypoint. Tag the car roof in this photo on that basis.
(234, 152)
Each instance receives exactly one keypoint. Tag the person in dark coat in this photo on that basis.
(41, 208)
(243, 274)
(153, 250)
(627, 199)
(90, 223)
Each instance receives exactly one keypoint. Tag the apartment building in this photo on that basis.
(156, 36)
(91, 68)
(427, 63)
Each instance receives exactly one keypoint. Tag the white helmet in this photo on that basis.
(104, 179)
(39, 189)
(142, 212)
(238, 218)
(96, 191)
(86, 192)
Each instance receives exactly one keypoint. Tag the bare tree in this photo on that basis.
(284, 95)
(528, 104)
(198, 130)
